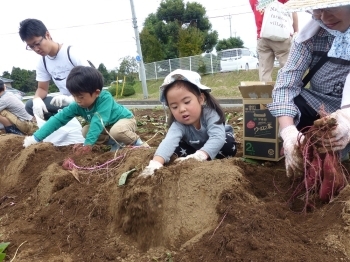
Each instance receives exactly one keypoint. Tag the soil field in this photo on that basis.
(220, 210)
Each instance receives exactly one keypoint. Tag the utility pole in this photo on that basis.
(139, 51)
(229, 18)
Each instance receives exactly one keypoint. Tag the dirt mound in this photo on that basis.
(221, 210)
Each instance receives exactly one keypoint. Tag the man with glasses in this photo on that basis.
(55, 63)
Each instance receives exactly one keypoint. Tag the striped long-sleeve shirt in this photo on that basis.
(326, 86)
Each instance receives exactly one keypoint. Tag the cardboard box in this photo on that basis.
(260, 132)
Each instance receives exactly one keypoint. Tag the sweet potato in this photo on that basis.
(323, 172)
(333, 178)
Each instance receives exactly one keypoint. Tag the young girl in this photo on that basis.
(197, 123)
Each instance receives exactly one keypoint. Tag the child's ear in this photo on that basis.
(97, 92)
(202, 99)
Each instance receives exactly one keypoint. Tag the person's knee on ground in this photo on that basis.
(5, 121)
(26, 127)
(9, 127)
(124, 132)
(102, 139)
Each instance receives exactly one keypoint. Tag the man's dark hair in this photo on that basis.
(84, 79)
(30, 28)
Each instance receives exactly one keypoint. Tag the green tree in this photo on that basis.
(106, 76)
(165, 26)
(128, 68)
(152, 50)
(6, 74)
(232, 42)
(112, 75)
(190, 42)
(31, 82)
(23, 80)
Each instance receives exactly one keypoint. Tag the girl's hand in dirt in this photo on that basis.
(293, 158)
(149, 170)
(199, 156)
(339, 136)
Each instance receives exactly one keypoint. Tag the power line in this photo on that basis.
(122, 20)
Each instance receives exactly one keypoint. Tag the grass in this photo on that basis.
(223, 85)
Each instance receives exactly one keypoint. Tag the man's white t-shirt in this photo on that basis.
(59, 67)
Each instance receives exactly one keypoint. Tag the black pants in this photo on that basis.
(228, 150)
(308, 114)
(52, 110)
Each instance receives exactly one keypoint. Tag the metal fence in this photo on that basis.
(203, 64)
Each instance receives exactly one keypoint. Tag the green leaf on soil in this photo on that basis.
(248, 160)
(124, 176)
(3, 246)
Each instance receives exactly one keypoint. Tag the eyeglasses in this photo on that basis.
(330, 10)
(32, 47)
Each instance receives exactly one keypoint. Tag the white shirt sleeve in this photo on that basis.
(42, 75)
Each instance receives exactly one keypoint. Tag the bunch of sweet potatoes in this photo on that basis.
(324, 176)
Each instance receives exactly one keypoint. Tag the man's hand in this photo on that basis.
(149, 170)
(30, 140)
(293, 158)
(339, 136)
(39, 107)
(61, 100)
(199, 156)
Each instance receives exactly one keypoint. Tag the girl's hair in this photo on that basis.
(84, 79)
(210, 101)
(30, 28)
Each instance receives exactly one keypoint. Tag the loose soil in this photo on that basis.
(220, 210)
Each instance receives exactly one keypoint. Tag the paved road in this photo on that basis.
(143, 104)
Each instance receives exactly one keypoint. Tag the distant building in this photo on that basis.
(8, 82)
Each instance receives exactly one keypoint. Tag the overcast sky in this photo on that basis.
(103, 29)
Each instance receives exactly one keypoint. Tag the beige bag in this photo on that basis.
(277, 23)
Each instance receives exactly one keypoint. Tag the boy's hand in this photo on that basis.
(199, 156)
(61, 100)
(80, 149)
(30, 140)
(39, 107)
(149, 170)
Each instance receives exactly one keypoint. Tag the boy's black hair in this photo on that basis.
(210, 101)
(30, 28)
(2, 85)
(84, 79)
